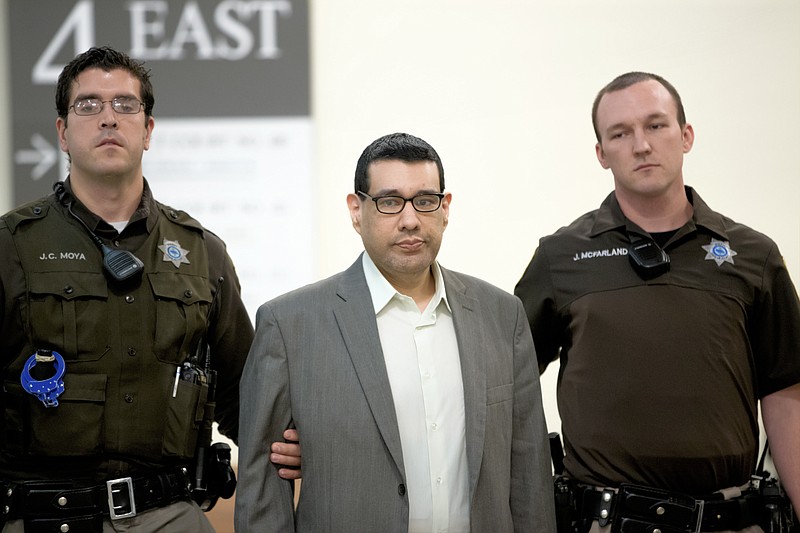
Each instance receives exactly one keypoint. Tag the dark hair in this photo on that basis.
(631, 78)
(107, 59)
(399, 146)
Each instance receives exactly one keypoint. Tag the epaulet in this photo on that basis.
(180, 217)
(31, 211)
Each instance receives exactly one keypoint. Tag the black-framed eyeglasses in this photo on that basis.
(127, 105)
(391, 205)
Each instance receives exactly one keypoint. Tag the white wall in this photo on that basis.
(503, 90)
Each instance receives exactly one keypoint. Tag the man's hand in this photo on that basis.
(287, 455)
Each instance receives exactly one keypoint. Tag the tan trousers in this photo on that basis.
(752, 529)
(181, 517)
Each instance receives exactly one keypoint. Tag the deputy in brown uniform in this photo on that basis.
(117, 313)
(672, 323)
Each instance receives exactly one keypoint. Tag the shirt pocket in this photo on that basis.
(182, 305)
(74, 427)
(65, 312)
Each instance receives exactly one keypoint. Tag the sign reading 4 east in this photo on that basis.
(209, 58)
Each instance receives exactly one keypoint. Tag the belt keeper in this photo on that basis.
(699, 508)
(606, 502)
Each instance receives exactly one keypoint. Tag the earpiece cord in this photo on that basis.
(119, 264)
(66, 200)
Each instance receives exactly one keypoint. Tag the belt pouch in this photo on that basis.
(647, 506)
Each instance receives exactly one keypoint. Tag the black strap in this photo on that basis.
(45, 501)
(717, 515)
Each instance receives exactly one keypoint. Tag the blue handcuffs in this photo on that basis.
(47, 390)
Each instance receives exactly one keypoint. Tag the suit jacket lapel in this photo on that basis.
(355, 317)
(471, 351)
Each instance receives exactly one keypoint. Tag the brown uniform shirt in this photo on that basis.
(660, 379)
(122, 344)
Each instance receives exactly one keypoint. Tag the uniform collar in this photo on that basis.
(610, 217)
(147, 211)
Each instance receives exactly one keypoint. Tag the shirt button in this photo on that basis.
(434, 426)
(439, 480)
(187, 293)
(68, 289)
(131, 351)
(128, 398)
(116, 243)
(401, 489)
(130, 299)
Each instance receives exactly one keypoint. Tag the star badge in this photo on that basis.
(174, 253)
(719, 251)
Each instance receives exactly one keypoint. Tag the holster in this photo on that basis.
(565, 505)
(219, 477)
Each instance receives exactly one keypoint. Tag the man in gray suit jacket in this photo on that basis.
(414, 389)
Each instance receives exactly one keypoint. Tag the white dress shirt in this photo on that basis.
(422, 360)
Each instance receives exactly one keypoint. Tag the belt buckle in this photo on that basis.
(116, 492)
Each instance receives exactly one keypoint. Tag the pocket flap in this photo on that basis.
(70, 286)
(84, 387)
(498, 394)
(188, 289)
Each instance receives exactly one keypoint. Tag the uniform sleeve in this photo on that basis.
(776, 329)
(230, 336)
(12, 285)
(264, 501)
(535, 289)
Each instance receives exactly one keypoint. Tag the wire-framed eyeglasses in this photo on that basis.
(127, 105)
(391, 205)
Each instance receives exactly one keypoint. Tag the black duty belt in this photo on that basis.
(66, 506)
(635, 509)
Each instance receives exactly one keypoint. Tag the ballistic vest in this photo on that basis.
(123, 343)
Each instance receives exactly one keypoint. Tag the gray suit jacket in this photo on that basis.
(317, 364)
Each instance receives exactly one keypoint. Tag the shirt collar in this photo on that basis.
(610, 217)
(382, 291)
